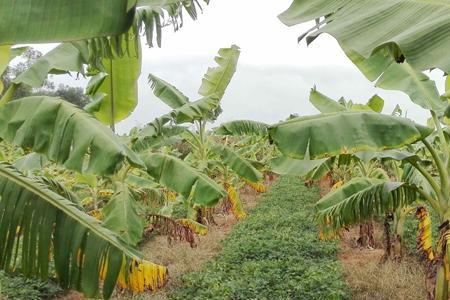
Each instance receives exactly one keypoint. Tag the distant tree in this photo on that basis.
(74, 95)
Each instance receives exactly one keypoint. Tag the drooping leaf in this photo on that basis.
(362, 198)
(167, 92)
(417, 85)
(173, 229)
(237, 163)
(154, 14)
(398, 155)
(178, 176)
(121, 215)
(65, 134)
(321, 170)
(242, 127)
(424, 235)
(373, 66)
(198, 228)
(39, 224)
(119, 86)
(60, 189)
(62, 59)
(235, 201)
(216, 79)
(368, 25)
(332, 134)
(284, 165)
(141, 276)
(158, 137)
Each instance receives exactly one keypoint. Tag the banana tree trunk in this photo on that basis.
(398, 248)
(393, 243)
(399, 221)
(205, 216)
(387, 238)
(366, 238)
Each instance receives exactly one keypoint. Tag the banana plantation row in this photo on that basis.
(77, 199)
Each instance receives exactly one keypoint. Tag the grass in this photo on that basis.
(370, 279)
(273, 254)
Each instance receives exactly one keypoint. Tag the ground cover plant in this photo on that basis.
(273, 254)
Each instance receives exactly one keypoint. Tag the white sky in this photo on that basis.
(274, 75)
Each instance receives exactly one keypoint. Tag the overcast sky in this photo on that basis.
(274, 74)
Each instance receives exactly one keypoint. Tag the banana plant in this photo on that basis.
(102, 253)
(215, 159)
(394, 59)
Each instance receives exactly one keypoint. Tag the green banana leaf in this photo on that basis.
(242, 127)
(153, 14)
(167, 92)
(416, 85)
(37, 222)
(65, 134)
(323, 103)
(398, 155)
(376, 103)
(415, 30)
(62, 59)
(24, 22)
(237, 163)
(203, 109)
(328, 135)
(413, 177)
(216, 79)
(178, 176)
(6, 55)
(119, 87)
(284, 165)
(121, 215)
(158, 137)
(360, 199)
